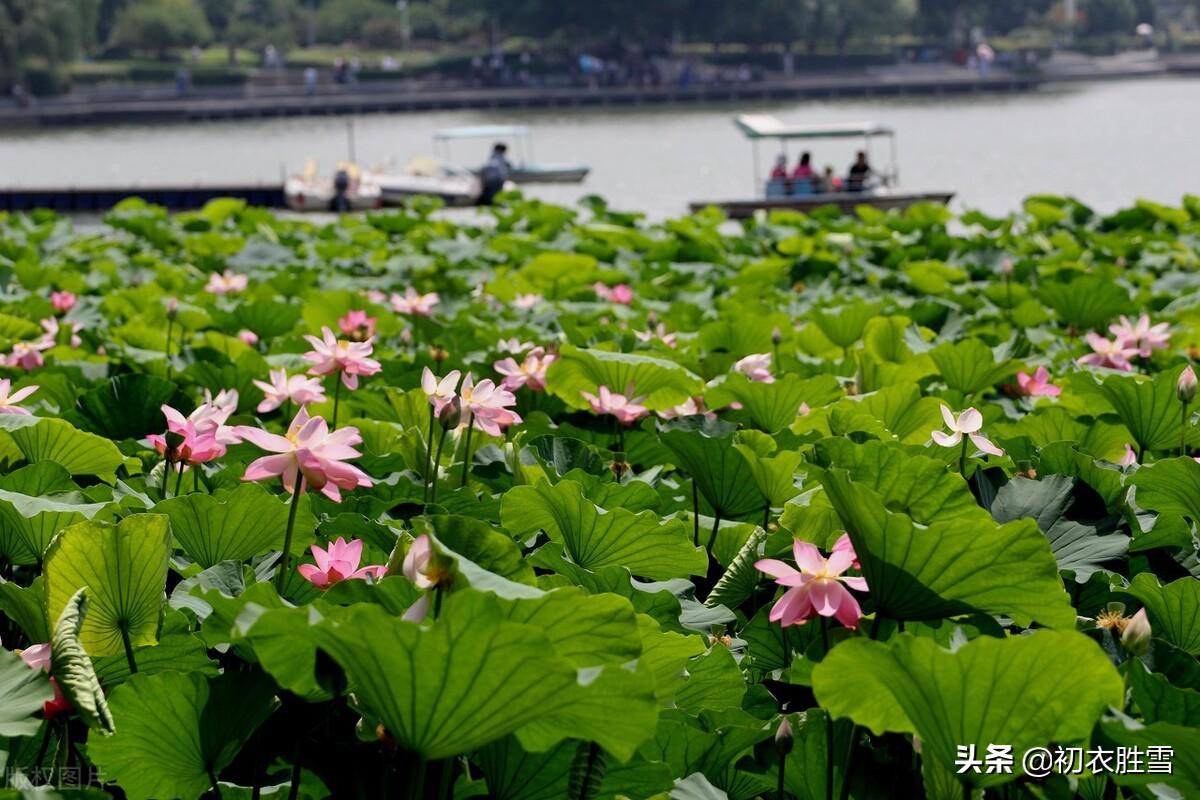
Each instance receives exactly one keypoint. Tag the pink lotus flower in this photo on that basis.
(211, 415)
(968, 424)
(756, 367)
(8, 401)
(349, 359)
(818, 587)
(513, 345)
(626, 408)
(440, 391)
(658, 332)
(417, 561)
(27, 355)
(357, 325)
(688, 408)
(297, 389)
(531, 372)
(1141, 335)
(248, 336)
(311, 450)
(620, 294)
(413, 303)
(62, 301)
(37, 657)
(227, 282)
(526, 301)
(488, 405)
(339, 562)
(1037, 385)
(52, 327)
(844, 545)
(375, 296)
(1114, 354)
(195, 447)
(1130, 457)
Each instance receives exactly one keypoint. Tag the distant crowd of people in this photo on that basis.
(805, 179)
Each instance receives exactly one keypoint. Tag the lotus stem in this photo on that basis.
(437, 467)
(712, 537)
(695, 514)
(782, 769)
(167, 349)
(128, 645)
(166, 473)
(337, 396)
(428, 455)
(447, 779)
(179, 479)
(1183, 423)
(467, 455)
(216, 787)
(281, 570)
(962, 459)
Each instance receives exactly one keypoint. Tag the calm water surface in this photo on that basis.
(1105, 143)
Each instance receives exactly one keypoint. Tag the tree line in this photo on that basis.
(51, 33)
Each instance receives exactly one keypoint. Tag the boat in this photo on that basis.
(525, 169)
(309, 191)
(879, 190)
(429, 177)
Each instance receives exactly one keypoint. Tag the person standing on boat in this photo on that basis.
(777, 184)
(860, 170)
(494, 174)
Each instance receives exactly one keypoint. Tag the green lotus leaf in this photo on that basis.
(662, 384)
(23, 691)
(594, 538)
(773, 406)
(177, 731)
(129, 406)
(124, 569)
(1148, 408)
(1010, 691)
(1174, 609)
(72, 667)
(44, 439)
(970, 366)
(950, 567)
(705, 450)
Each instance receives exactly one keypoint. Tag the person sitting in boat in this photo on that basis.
(777, 184)
(803, 176)
(829, 181)
(494, 173)
(860, 171)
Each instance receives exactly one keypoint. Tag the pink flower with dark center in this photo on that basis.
(8, 402)
(968, 424)
(625, 407)
(310, 450)
(37, 657)
(620, 294)
(1141, 335)
(62, 301)
(756, 367)
(817, 588)
(1037, 385)
(282, 389)
(488, 405)
(339, 562)
(440, 391)
(413, 303)
(193, 447)
(357, 325)
(531, 372)
(27, 355)
(348, 359)
(227, 282)
(1112, 354)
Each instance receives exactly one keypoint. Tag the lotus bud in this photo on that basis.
(1136, 638)
(172, 308)
(651, 319)
(1006, 268)
(783, 737)
(451, 414)
(776, 336)
(1185, 387)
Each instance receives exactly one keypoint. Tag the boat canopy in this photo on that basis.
(482, 132)
(765, 126)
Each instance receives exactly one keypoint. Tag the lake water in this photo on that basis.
(1107, 143)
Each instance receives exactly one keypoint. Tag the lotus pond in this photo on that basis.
(558, 503)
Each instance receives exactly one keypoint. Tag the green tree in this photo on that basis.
(161, 25)
(1110, 16)
(258, 23)
(55, 32)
